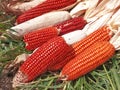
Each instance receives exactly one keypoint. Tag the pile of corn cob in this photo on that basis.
(74, 36)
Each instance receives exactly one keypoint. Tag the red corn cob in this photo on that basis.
(47, 6)
(102, 34)
(91, 58)
(70, 25)
(60, 65)
(50, 52)
(37, 38)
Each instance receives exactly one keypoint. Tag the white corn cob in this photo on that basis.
(71, 39)
(45, 20)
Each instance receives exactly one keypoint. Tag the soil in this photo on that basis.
(6, 82)
(7, 76)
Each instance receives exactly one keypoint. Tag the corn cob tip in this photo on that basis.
(26, 45)
(19, 79)
(13, 35)
(63, 77)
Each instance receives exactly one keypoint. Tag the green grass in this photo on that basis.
(105, 77)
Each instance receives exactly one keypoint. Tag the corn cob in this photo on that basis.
(48, 54)
(20, 7)
(44, 56)
(39, 23)
(47, 6)
(102, 34)
(91, 58)
(37, 38)
(70, 25)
